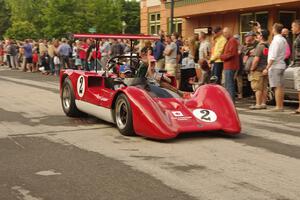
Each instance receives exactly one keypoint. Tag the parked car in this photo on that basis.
(290, 93)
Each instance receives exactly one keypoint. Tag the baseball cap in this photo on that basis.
(251, 33)
(237, 36)
(125, 69)
(152, 59)
(217, 29)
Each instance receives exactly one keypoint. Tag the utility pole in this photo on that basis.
(172, 17)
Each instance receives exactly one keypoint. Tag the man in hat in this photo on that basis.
(248, 50)
(259, 82)
(218, 48)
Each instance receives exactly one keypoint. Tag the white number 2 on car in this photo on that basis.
(205, 115)
(80, 86)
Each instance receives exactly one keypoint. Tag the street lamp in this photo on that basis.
(172, 2)
(172, 16)
(123, 26)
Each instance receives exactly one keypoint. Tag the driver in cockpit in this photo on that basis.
(160, 78)
(155, 74)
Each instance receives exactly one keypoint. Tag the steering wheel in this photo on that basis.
(134, 62)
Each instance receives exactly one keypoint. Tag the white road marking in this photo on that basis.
(17, 143)
(24, 194)
(50, 172)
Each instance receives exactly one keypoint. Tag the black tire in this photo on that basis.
(68, 99)
(123, 116)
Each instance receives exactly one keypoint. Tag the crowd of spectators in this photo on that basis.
(193, 61)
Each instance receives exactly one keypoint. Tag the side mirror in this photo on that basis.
(213, 79)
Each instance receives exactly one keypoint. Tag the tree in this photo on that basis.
(27, 10)
(63, 16)
(55, 18)
(131, 15)
(5, 17)
(105, 15)
(21, 31)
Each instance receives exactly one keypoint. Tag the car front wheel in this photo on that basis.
(68, 99)
(123, 116)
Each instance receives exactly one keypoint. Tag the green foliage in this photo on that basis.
(4, 16)
(61, 17)
(55, 18)
(131, 15)
(21, 30)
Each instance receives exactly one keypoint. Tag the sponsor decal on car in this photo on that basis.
(205, 115)
(179, 116)
(177, 113)
(80, 86)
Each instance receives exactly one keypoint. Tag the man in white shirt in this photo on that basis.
(276, 65)
(170, 53)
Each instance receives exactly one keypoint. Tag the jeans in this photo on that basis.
(230, 83)
(13, 61)
(65, 62)
(8, 61)
(52, 67)
(217, 71)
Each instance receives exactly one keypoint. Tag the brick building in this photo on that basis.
(194, 15)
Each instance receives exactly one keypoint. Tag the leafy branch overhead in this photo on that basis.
(54, 18)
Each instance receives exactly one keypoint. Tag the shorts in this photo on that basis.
(259, 82)
(276, 77)
(29, 60)
(297, 78)
(173, 70)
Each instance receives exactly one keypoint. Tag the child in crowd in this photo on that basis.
(35, 60)
(45, 62)
(56, 65)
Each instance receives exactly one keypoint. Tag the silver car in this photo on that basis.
(290, 93)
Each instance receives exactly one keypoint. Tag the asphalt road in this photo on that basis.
(46, 155)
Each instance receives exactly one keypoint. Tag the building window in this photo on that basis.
(154, 23)
(177, 25)
(261, 17)
(287, 18)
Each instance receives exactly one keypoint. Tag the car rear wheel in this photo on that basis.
(123, 116)
(68, 99)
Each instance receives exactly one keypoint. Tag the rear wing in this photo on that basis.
(117, 36)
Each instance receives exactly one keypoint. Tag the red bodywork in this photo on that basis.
(161, 118)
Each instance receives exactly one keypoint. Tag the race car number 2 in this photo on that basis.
(205, 115)
(80, 86)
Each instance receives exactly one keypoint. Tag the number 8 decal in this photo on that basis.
(205, 115)
(80, 86)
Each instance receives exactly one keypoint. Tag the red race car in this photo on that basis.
(147, 106)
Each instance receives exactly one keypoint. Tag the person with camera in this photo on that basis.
(259, 82)
(249, 49)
